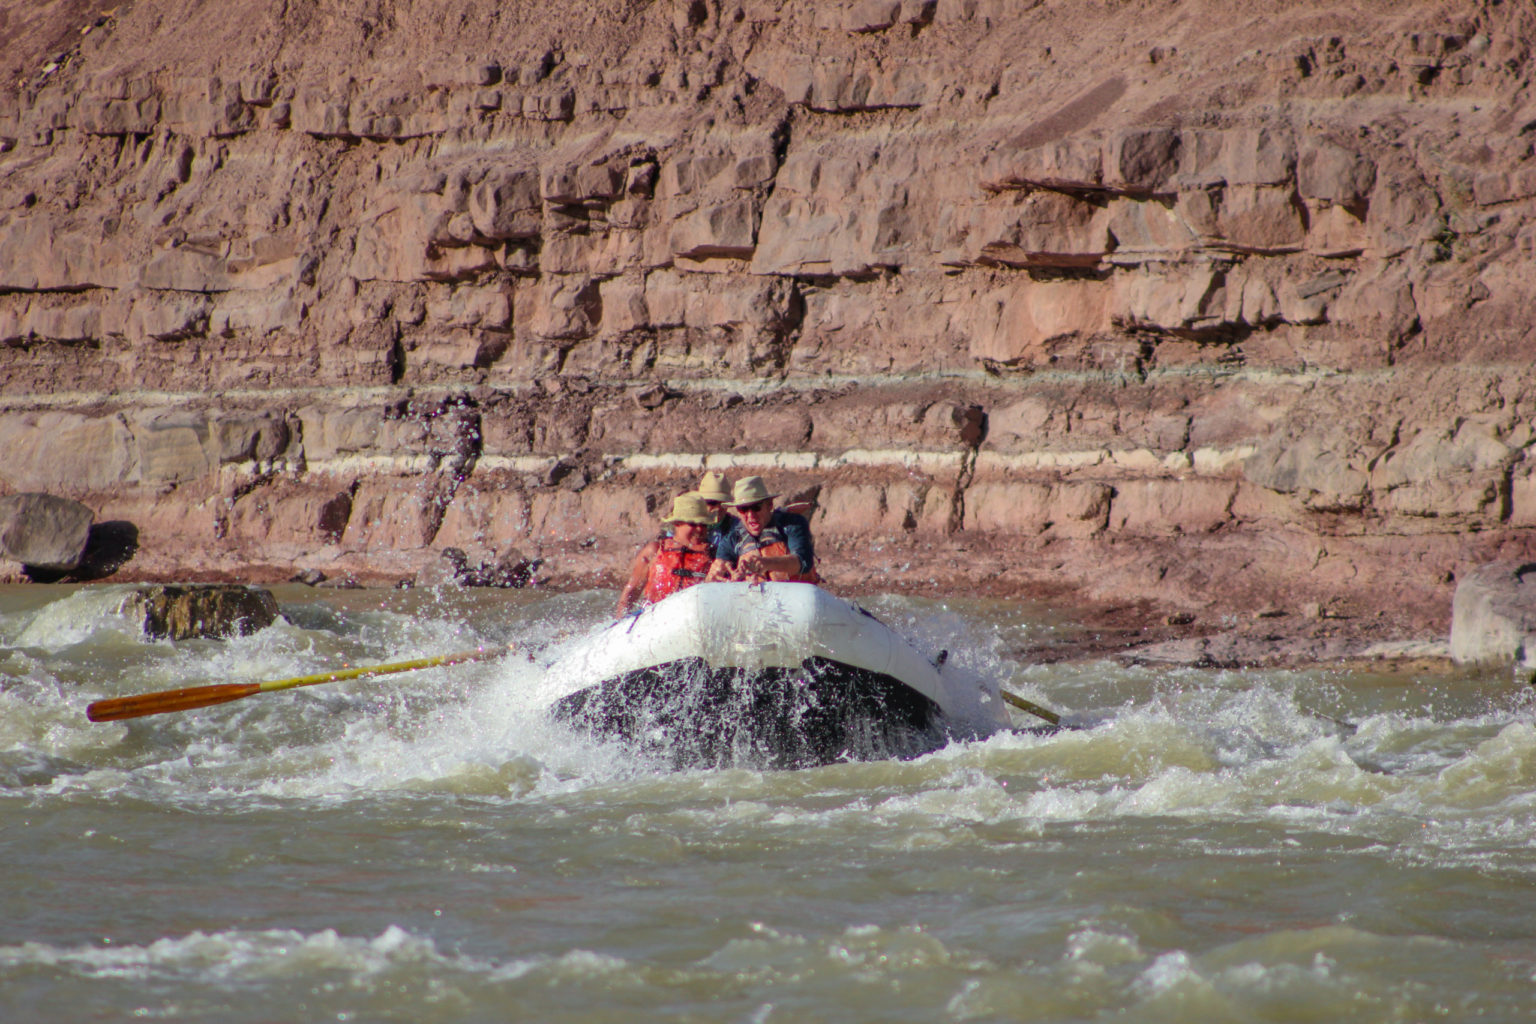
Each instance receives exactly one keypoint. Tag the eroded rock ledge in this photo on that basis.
(1221, 310)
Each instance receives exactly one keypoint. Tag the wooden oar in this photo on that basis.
(1349, 727)
(188, 697)
(1032, 708)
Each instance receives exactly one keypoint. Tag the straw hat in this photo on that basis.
(712, 487)
(690, 508)
(749, 490)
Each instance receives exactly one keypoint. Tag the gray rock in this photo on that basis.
(215, 610)
(42, 531)
(1493, 615)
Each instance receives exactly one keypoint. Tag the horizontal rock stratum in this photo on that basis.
(1215, 305)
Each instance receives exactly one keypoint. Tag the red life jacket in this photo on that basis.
(770, 544)
(675, 568)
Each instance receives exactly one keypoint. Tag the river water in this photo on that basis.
(1207, 846)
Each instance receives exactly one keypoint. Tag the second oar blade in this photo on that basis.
(1037, 710)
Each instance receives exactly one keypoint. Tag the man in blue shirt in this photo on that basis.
(765, 543)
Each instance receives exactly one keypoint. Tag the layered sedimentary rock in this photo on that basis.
(1215, 304)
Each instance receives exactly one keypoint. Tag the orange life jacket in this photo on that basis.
(770, 544)
(675, 568)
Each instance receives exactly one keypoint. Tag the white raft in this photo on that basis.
(777, 674)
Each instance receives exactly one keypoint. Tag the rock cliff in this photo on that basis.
(1220, 305)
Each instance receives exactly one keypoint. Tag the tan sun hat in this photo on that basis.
(712, 487)
(749, 490)
(690, 508)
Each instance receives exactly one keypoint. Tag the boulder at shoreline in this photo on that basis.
(44, 531)
(1493, 615)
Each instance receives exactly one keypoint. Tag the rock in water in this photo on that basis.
(182, 612)
(42, 531)
(1493, 615)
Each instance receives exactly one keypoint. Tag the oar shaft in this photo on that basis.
(1028, 705)
(380, 670)
(189, 697)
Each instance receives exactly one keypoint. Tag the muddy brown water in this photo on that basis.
(1209, 846)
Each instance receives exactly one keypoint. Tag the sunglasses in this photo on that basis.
(756, 506)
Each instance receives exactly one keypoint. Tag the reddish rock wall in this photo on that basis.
(1215, 304)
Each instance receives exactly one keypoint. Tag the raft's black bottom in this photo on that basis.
(819, 713)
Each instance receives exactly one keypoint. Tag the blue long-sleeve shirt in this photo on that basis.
(797, 537)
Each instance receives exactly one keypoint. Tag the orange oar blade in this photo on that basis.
(114, 708)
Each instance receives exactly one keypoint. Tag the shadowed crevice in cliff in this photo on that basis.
(971, 422)
(334, 514)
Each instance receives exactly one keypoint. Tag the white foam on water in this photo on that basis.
(1169, 971)
(986, 880)
(76, 618)
(1290, 974)
(766, 953)
(347, 975)
(1103, 949)
(1318, 974)
(1244, 756)
(449, 729)
(576, 966)
(237, 956)
(864, 954)
(1213, 746)
(1148, 762)
(1495, 772)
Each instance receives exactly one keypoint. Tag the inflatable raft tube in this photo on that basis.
(771, 675)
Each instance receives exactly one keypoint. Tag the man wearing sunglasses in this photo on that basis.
(765, 543)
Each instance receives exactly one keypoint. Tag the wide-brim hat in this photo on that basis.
(690, 508)
(749, 490)
(712, 487)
